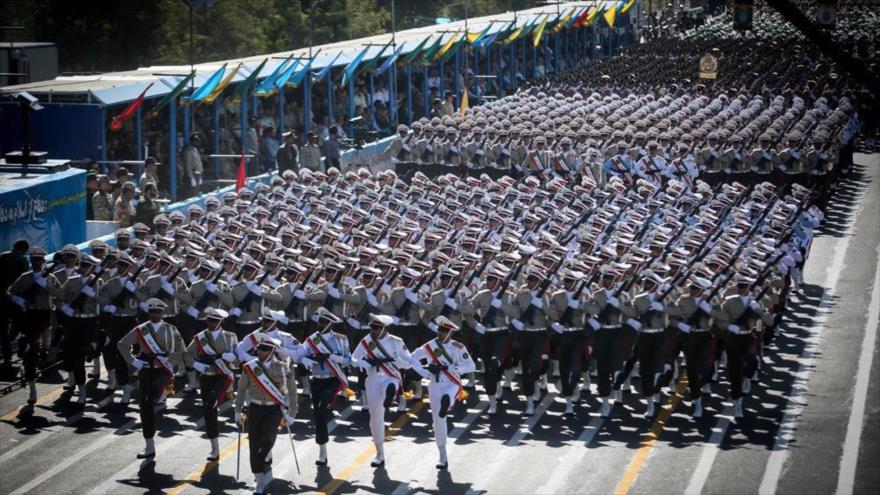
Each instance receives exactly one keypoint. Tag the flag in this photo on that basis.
(563, 21)
(267, 87)
(390, 60)
(577, 15)
(446, 46)
(352, 66)
(241, 177)
(204, 90)
(220, 87)
(180, 88)
(473, 38)
(413, 54)
(592, 17)
(282, 78)
(446, 56)
(488, 40)
(327, 68)
(514, 35)
(248, 83)
(370, 65)
(536, 36)
(464, 102)
(129, 111)
(628, 5)
(610, 14)
(428, 56)
(579, 21)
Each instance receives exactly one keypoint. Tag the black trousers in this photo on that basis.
(611, 347)
(493, 349)
(570, 352)
(739, 346)
(650, 352)
(30, 326)
(151, 382)
(117, 327)
(322, 404)
(210, 388)
(76, 346)
(530, 346)
(698, 355)
(7, 327)
(262, 426)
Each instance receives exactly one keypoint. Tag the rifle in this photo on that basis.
(246, 302)
(125, 293)
(490, 313)
(367, 306)
(426, 279)
(447, 310)
(206, 296)
(292, 305)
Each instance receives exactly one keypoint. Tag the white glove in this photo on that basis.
(432, 327)
(684, 327)
(40, 280)
(386, 288)
(238, 418)
(480, 328)
(614, 301)
(229, 357)
(138, 364)
(517, 324)
(211, 287)
(143, 306)
(411, 296)
(705, 306)
(635, 324)
(733, 328)
(537, 302)
(307, 362)
(200, 367)
(372, 300)
(656, 306)
(354, 323)
(556, 327)
(110, 308)
(573, 303)
(288, 419)
(451, 303)
(255, 289)
(192, 182)
(284, 320)
(88, 291)
(333, 292)
(496, 303)
(754, 305)
(235, 312)
(168, 288)
(130, 286)
(336, 358)
(192, 312)
(67, 310)
(17, 300)
(299, 294)
(594, 323)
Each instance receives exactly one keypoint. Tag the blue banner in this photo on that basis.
(48, 211)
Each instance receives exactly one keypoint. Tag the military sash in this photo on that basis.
(320, 346)
(203, 344)
(261, 378)
(374, 350)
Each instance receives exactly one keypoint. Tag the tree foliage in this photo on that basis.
(105, 35)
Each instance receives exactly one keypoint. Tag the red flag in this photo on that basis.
(241, 179)
(129, 111)
(581, 18)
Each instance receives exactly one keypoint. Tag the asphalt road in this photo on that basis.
(812, 424)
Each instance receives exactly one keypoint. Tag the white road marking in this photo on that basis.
(130, 470)
(710, 451)
(572, 458)
(500, 462)
(850, 457)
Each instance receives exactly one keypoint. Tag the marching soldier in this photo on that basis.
(117, 297)
(442, 361)
(528, 318)
(383, 357)
(565, 309)
(160, 347)
(265, 384)
(695, 313)
(650, 322)
(31, 296)
(244, 298)
(212, 354)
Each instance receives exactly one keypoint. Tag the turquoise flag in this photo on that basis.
(206, 89)
(390, 60)
(282, 78)
(352, 66)
(267, 86)
(326, 70)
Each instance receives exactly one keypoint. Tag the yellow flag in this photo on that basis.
(464, 102)
(220, 87)
(445, 48)
(472, 37)
(611, 14)
(514, 35)
(592, 17)
(628, 5)
(562, 23)
(536, 37)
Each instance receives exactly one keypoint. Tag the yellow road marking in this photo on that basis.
(208, 466)
(50, 397)
(370, 451)
(635, 465)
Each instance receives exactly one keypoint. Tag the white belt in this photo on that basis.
(608, 327)
(85, 315)
(320, 377)
(263, 402)
(571, 329)
(249, 322)
(496, 329)
(651, 330)
(534, 330)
